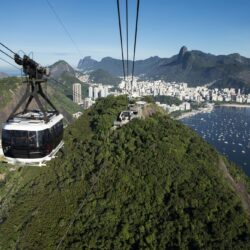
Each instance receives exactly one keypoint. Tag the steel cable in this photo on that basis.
(135, 40)
(121, 40)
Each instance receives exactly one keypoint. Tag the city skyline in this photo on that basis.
(217, 27)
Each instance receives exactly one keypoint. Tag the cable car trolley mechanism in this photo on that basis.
(32, 137)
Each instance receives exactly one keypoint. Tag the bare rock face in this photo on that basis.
(182, 52)
(87, 63)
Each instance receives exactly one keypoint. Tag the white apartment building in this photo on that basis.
(77, 93)
(98, 90)
(88, 102)
(91, 92)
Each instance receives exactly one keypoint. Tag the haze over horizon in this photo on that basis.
(216, 27)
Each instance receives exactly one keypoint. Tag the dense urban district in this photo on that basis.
(180, 91)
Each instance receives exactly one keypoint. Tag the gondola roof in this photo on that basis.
(32, 121)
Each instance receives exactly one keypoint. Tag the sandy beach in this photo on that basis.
(236, 105)
(210, 107)
(207, 109)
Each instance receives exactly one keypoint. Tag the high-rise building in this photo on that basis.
(96, 92)
(106, 91)
(88, 102)
(103, 91)
(90, 92)
(77, 93)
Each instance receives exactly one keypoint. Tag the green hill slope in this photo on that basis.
(7, 86)
(152, 184)
(64, 76)
(12, 89)
(104, 77)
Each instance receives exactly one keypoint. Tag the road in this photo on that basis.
(238, 187)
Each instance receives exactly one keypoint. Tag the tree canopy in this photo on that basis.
(152, 184)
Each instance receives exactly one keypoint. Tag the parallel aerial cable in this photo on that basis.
(127, 36)
(126, 72)
(80, 207)
(64, 27)
(7, 48)
(121, 40)
(136, 28)
(6, 54)
(9, 63)
(53, 79)
(2, 59)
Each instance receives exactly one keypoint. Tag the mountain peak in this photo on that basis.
(3, 75)
(87, 58)
(60, 67)
(60, 62)
(183, 51)
(107, 58)
(87, 63)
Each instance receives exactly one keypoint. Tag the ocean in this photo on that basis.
(228, 130)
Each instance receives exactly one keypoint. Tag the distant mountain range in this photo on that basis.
(3, 75)
(194, 67)
(65, 76)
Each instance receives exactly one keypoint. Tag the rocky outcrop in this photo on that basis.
(87, 63)
(59, 68)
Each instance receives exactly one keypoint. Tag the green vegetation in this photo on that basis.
(62, 102)
(177, 113)
(148, 99)
(12, 88)
(153, 184)
(104, 77)
(7, 87)
(169, 100)
(233, 82)
(65, 83)
(238, 174)
(198, 105)
(64, 75)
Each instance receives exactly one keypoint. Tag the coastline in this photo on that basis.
(236, 105)
(210, 108)
(207, 109)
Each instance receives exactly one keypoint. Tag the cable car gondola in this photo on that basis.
(27, 139)
(32, 137)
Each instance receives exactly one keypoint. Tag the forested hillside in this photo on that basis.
(7, 87)
(62, 75)
(104, 77)
(153, 184)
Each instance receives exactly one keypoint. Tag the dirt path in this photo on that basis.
(238, 187)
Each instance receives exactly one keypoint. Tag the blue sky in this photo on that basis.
(213, 26)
